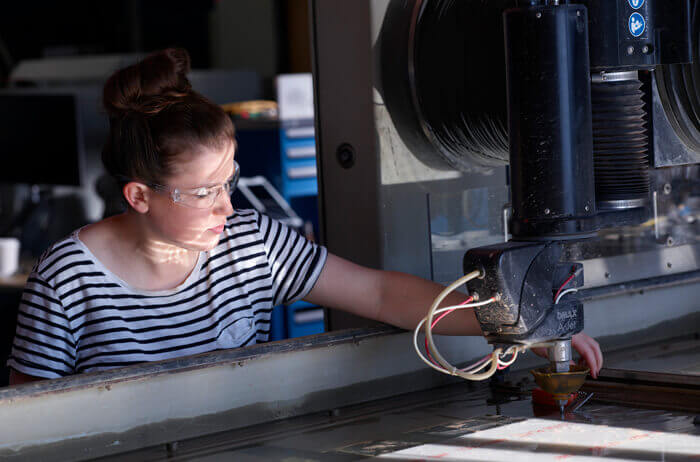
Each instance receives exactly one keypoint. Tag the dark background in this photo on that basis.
(31, 30)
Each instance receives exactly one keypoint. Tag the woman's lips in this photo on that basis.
(218, 229)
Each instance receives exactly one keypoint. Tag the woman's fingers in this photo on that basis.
(539, 351)
(587, 347)
(599, 355)
(590, 352)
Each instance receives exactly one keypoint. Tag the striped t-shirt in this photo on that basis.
(76, 316)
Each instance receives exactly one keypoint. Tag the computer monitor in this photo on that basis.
(40, 138)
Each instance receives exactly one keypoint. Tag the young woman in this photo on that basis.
(182, 272)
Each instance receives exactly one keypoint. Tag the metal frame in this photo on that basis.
(344, 91)
(102, 413)
(646, 389)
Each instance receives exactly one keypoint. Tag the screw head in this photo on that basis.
(538, 15)
(345, 155)
(645, 49)
(630, 50)
(547, 211)
(587, 208)
(669, 265)
(667, 188)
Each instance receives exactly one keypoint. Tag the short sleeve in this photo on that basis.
(296, 262)
(43, 345)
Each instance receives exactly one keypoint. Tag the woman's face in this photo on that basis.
(186, 226)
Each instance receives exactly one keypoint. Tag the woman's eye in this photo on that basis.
(202, 193)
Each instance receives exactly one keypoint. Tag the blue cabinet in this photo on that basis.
(296, 320)
(298, 159)
(299, 187)
(303, 318)
(284, 152)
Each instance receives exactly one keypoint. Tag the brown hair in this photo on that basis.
(155, 116)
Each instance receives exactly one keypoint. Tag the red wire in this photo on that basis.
(500, 368)
(468, 300)
(564, 285)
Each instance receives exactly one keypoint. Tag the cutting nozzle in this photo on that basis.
(560, 384)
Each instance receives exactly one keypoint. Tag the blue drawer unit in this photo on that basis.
(303, 318)
(278, 324)
(298, 159)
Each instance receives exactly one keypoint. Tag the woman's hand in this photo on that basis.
(587, 347)
(590, 352)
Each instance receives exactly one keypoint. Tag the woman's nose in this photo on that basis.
(223, 204)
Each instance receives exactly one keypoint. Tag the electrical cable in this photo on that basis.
(431, 312)
(567, 291)
(491, 362)
(438, 320)
(573, 274)
(470, 369)
(504, 364)
(513, 350)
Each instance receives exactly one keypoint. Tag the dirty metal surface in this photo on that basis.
(458, 422)
(477, 422)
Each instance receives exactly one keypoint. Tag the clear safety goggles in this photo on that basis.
(199, 198)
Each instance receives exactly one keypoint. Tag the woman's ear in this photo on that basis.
(137, 195)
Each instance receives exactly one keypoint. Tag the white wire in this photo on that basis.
(567, 291)
(469, 369)
(431, 312)
(477, 366)
(493, 361)
(470, 372)
(420, 354)
(509, 350)
(511, 361)
(442, 310)
(432, 349)
(474, 367)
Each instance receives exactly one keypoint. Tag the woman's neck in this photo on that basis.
(143, 243)
(128, 248)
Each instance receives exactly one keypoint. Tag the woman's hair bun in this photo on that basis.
(149, 86)
(155, 117)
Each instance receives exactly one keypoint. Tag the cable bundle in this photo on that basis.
(491, 362)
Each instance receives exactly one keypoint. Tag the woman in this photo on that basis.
(181, 272)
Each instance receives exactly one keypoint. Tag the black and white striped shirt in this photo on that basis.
(76, 316)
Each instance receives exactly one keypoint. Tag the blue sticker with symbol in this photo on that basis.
(637, 24)
(636, 4)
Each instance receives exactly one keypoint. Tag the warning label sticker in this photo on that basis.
(637, 24)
